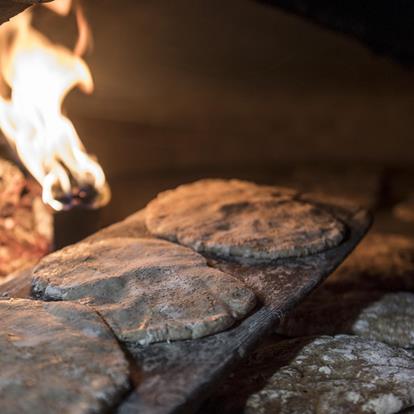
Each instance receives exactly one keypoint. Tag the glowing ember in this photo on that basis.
(40, 74)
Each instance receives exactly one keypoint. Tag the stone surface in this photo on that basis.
(325, 312)
(342, 374)
(405, 210)
(382, 262)
(356, 299)
(147, 290)
(386, 317)
(389, 319)
(237, 219)
(57, 358)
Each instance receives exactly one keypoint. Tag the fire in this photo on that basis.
(39, 75)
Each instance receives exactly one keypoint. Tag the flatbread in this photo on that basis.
(58, 358)
(147, 290)
(341, 374)
(241, 219)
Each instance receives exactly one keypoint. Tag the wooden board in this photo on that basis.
(177, 377)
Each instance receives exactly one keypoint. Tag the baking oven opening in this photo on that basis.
(281, 129)
(180, 94)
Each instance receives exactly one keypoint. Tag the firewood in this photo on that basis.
(25, 222)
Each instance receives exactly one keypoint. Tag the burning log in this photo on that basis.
(9, 8)
(25, 222)
(38, 75)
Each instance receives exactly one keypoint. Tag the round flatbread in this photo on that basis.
(241, 219)
(147, 290)
(58, 358)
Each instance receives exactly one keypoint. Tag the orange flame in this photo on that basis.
(40, 74)
(62, 7)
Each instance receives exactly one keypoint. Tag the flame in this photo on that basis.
(62, 7)
(40, 74)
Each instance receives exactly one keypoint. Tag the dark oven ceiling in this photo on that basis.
(385, 26)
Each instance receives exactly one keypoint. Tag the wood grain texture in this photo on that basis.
(176, 377)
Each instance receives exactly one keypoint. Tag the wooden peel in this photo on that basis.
(178, 376)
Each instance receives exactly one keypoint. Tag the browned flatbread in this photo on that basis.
(147, 290)
(241, 219)
(58, 358)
